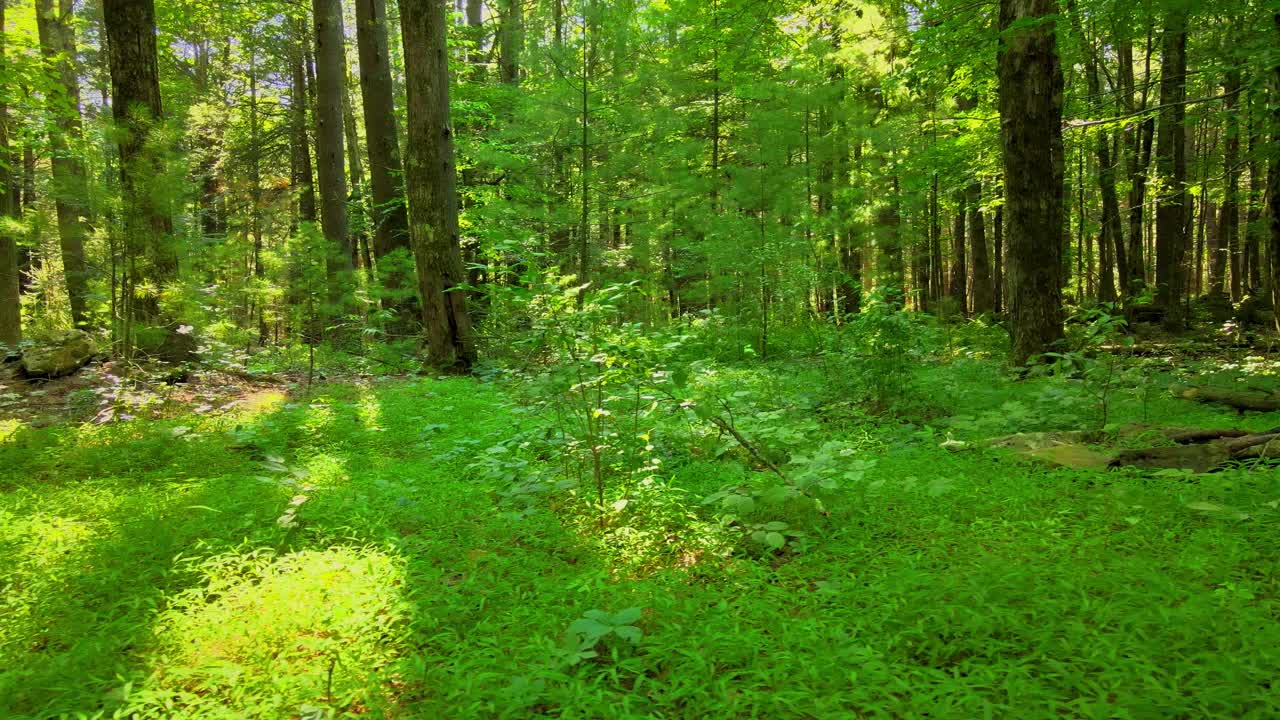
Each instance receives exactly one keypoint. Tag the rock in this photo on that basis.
(62, 354)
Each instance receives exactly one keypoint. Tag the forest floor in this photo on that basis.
(354, 551)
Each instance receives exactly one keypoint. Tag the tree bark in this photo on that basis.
(136, 108)
(983, 302)
(10, 307)
(1274, 188)
(390, 218)
(431, 181)
(959, 280)
(1254, 230)
(300, 143)
(330, 86)
(1031, 87)
(1229, 227)
(70, 186)
(512, 42)
(1171, 161)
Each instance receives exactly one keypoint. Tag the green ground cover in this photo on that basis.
(419, 548)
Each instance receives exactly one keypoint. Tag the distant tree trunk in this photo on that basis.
(998, 261)
(890, 240)
(300, 143)
(357, 226)
(255, 191)
(982, 289)
(1031, 86)
(1171, 162)
(512, 41)
(1211, 232)
(431, 180)
(70, 187)
(850, 285)
(1274, 187)
(958, 284)
(1229, 228)
(1254, 230)
(10, 307)
(475, 33)
(390, 218)
(1138, 151)
(330, 86)
(136, 107)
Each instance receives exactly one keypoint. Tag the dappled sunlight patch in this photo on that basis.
(270, 636)
(256, 403)
(9, 428)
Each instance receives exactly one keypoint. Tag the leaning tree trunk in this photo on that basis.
(431, 181)
(10, 309)
(330, 84)
(136, 108)
(70, 186)
(390, 219)
(1031, 86)
(1171, 161)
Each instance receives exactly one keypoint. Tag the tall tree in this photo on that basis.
(983, 300)
(390, 218)
(1274, 184)
(10, 307)
(431, 180)
(1171, 161)
(299, 140)
(70, 186)
(1229, 228)
(136, 108)
(331, 88)
(1031, 87)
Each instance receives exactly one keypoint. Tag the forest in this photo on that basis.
(639, 359)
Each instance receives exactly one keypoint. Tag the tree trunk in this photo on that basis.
(70, 186)
(1229, 228)
(300, 141)
(983, 302)
(959, 280)
(1274, 188)
(998, 261)
(10, 307)
(512, 41)
(1138, 139)
(1254, 230)
(136, 108)
(330, 86)
(358, 226)
(430, 176)
(1031, 86)
(390, 219)
(1171, 161)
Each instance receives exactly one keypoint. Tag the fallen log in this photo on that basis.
(1201, 457)
(1241, 400)
(1196, 435)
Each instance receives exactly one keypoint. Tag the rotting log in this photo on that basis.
(1241, 400)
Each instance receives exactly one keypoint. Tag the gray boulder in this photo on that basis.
(61, 354)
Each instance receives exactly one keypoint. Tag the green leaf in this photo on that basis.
(630, 633)
(775, 540)
(628, 616)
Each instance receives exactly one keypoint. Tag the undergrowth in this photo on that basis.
(632, 527)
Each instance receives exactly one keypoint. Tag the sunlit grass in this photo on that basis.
(152, 576)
